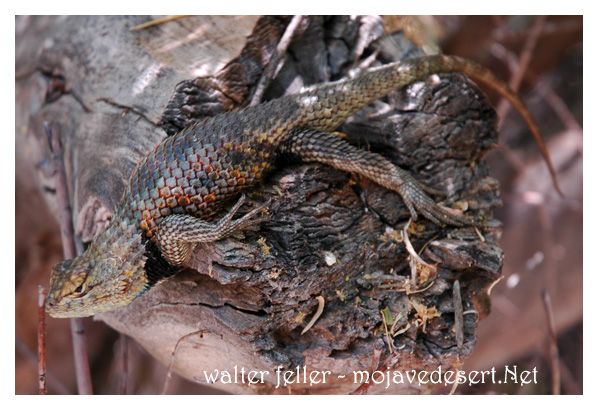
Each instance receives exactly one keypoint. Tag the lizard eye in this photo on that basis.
(75, 286)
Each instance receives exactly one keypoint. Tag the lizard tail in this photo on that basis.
(352, 94)
(485, 76)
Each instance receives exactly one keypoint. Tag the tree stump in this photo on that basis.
(243, 302)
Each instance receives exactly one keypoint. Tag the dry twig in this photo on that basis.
(125, 364)
(52, 380)
(458, 310)
(273, 64)
(389, 362)
(41, 340)
(553, 350)
(84, 383)
(523, 62)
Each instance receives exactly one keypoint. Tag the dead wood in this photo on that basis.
(116, 94)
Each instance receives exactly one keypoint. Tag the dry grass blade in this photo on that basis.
(455, 384)
(171, 365)
(318, 313)
(156, 22)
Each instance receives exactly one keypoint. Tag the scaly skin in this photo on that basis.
(189, 176)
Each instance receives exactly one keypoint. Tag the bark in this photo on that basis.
(243, 302)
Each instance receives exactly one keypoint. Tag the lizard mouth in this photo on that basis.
(52, 308)
(58, 308)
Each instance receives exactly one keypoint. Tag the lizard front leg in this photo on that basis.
(313, 145)
(178, 234)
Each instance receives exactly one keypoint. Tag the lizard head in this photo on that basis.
(97, 281)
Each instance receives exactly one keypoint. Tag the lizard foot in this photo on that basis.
(415, 198)
(178, 234)
(327, 148)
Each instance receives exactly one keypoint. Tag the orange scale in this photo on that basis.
(171, 202)
(184, 201)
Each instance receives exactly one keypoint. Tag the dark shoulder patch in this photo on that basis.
(157, 268)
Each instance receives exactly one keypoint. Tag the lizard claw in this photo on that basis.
(414, 196)
(178, 234)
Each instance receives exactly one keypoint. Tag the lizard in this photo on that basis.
(190, 175)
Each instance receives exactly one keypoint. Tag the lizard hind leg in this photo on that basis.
(314, 145)
(178, 234)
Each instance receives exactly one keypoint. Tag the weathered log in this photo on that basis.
(244, 301)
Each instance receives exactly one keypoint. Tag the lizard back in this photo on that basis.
(196, 170)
